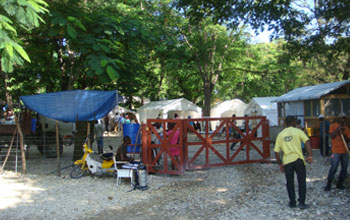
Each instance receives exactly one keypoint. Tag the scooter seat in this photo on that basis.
(106, 156)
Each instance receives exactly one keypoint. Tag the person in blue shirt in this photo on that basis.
(33, 125)
(324, 136)
(191, 122)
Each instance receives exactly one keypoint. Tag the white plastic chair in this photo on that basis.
(123, 172)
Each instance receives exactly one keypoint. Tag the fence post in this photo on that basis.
(144, 134)
(266, 138)
(58, 159)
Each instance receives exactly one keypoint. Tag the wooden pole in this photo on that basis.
(88, 134)
(137, 137)
(346, 146)
(324, 137)
(21, 140)
(58, 151)
(8, 151)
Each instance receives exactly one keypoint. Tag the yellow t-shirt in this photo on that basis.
(289, 142)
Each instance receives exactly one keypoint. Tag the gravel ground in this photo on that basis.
(249, 191)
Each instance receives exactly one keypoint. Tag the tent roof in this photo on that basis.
(268, 108)
(153, 109)
(310, 92)
(264, 102)
(70, 106)
(228, 104)
(171, 104)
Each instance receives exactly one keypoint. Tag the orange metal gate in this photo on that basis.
(161, 156)
(200, 149)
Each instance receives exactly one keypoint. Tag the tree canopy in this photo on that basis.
(162, 49)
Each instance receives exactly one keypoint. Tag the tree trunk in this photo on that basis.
(207, 98)
(7, 93)
(80, 136)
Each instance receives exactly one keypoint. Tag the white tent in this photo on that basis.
(167, 108)
(262, 106)
(227, 109)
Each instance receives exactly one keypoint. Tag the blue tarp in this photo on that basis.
(72, 106)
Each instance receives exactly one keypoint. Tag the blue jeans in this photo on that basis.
(298, 167)
(335, 159)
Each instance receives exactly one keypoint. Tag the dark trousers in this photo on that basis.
(343, 159)
(235, 136)
(326, 146)
(99, 141)
(298, 167)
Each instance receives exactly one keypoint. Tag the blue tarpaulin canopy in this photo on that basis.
(72, 106)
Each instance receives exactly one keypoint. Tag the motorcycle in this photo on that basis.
(94, 163)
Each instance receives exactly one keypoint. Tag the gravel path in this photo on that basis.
(250, 191)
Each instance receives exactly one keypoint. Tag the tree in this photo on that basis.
(319, 33)
(316, 31)
(211, 42)
(15, 15)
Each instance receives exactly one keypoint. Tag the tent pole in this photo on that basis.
(58, 159)
(88, 134)
(21, 143)
(8, 152)
(94, 131)
(137, 137)
(16, 163)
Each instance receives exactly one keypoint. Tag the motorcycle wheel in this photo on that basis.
(77, 172)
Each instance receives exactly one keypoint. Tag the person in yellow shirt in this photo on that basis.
(289, 142)
(339, 151)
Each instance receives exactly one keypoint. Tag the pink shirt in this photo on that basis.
(175, 138)
(174, 150)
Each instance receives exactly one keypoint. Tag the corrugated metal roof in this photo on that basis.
(310, 92)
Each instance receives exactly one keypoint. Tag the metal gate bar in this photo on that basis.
(157, 155)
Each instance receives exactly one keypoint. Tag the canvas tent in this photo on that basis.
(226, 109)
(167, 109)
(120, 110)
(262, 106)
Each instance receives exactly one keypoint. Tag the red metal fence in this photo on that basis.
(205, 148)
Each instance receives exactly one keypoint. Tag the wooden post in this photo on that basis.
(21, 140)
(88, 134)
(137, 137)
(8, 151)
(324, 137)
(58, 161)
(144, 146)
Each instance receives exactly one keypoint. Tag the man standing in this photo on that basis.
(338, 132)
(324, 135)
(289, 142)
(99, 130)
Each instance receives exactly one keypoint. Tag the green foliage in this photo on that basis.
(263, 70)
(150, 49)
(13, 15)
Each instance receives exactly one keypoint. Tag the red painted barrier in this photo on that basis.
(201, 149)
